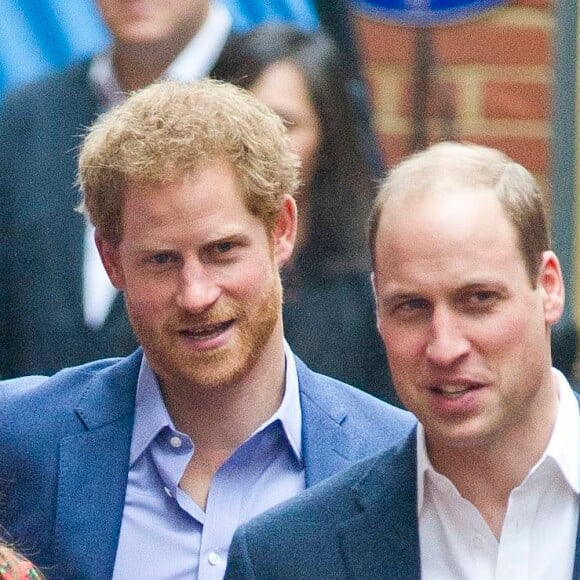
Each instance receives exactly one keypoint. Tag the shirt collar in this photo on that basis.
(289, 413)
(423, 465)
(151, 415)
(194, 62)
(563, 447)
(198, 58)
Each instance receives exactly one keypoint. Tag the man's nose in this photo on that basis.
(447, 343)
(198, 289)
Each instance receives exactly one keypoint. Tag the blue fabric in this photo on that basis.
(64, 455)
(39, 36)
(262, 472)
(361, 523)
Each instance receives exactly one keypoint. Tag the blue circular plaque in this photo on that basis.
(424, 12)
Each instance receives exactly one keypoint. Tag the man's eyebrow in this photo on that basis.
(492, 285)
(398, 296)
(227, 237)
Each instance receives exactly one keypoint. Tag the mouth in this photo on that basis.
(454, 391)
(206, 332)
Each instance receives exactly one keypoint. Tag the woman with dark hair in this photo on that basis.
(329, 307)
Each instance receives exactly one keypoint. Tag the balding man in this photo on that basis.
(487, 486)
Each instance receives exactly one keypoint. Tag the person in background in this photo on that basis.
(488, 485)
(143, 467)
(329, 305)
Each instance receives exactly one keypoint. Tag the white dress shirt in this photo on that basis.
(538, 537)
(194, 62)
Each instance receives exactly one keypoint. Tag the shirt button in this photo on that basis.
(478, 541)
(176, 442)
(214, 558)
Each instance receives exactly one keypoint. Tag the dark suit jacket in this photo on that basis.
(358, 525)
(64, 455)
(41, 314)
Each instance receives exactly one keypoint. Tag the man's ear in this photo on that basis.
(551, 282)
(109, 253)
(284, 232)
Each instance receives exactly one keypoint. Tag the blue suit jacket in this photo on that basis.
(358, 525)
(64, 455)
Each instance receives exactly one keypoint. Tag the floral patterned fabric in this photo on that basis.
(15, 567)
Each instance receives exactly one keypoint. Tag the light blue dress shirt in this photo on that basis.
(164, 533)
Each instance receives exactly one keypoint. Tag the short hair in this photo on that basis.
(343, 185)
(449, 165)
(168, 129)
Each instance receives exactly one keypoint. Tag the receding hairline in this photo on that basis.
(465, 167)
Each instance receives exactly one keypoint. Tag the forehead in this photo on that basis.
(205, 197)
(446, 236)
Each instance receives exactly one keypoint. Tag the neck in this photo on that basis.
(486, 474)
(138, 66)
(220, 418)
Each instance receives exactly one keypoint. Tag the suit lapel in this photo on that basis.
(576, 573)
(324, 442)
(93, 470)
(382, 541)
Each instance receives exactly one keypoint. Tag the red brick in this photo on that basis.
(490, 44)
(394, 147)
(514, 100)
(441, 102)
(548, 4)
(384, 43)
(532, 153)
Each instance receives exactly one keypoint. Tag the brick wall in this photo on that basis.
(491, 84)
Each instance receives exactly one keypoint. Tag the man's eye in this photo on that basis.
(482, 300)
(410, 307)
(414, 304)
(224, 247)
(161, 259)
(482, 297)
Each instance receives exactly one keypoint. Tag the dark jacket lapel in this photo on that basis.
(382, 541)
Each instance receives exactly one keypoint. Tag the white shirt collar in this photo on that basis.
(194, 62)
(563, 447)
(198, 58)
